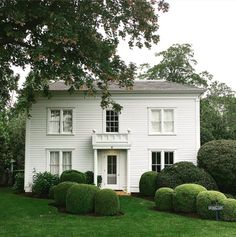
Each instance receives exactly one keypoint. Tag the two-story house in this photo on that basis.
(158, 126)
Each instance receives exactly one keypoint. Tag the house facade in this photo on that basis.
(159, 125)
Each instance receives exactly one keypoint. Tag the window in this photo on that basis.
(60, 121)
(161, 121)
(161, 159)
(60, 161)
(112, 121)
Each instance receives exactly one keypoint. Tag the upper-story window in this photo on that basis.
(161, 121)
(112, 121)
(60, 121)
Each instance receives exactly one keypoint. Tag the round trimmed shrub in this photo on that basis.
(148, 183)
(107, 203)
(60, 193)
(51, 192)
(207, 198)
(229, 211)
(89, 177)
(73, 176)
(185, 195)
(164, 198)
(80, 198)
(185, 172)
(218, 158)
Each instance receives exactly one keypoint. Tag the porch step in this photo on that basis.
(122, 193)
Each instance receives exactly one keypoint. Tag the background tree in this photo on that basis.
(75, 40)
(177, 65)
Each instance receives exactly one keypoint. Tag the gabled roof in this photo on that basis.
(141, 86)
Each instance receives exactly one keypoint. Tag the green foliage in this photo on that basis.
(184, 198)
(148, 183)
(51, 192)
(218, 158)
(107, 203)
(19, 183)
(80, 198)
(177, 65)
(206, 199)
(73, 176)
(164, 199)
(229, 211)
(184, 172)
(99, 180)
(75, 41)
(42, 182)
(60, 193)
(218, 113)
(89, 177)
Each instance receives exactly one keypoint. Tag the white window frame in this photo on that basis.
(105, 120)
(60, 150)
(61, 121)
(162, 151)
(162, 133)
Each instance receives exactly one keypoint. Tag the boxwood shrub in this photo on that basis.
(207, 198)
(184, 198)
(73, 176)
(218, 158)
(107, 203)
(148, 183)
(164, 199)
(42, 182)
(80, 198)
(51, 192)
(60, 193)
(184, 172)
(229, 211)
(89, 177)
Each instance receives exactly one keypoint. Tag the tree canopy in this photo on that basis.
(74, 41)
(177, 64)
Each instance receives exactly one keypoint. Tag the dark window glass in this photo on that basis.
(156, 161)
(169, 158)
(112, 121)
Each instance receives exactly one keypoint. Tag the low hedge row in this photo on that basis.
(194, 198)
(85, 198)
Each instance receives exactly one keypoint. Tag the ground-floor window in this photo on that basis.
(60, 161)
(161, 159)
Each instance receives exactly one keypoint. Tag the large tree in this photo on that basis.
(74, 40)
(177, 64)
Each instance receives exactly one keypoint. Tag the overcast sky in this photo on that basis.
(209, 25)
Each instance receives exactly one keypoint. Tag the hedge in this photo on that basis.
(219, 159)
(148, 183)
(163, 199)
(60, 193)
(51, 192)
(207, 198)
(80, 198)
(184, 197)
(73, 176)
(184, 172)
(107, 203)
(229, 210)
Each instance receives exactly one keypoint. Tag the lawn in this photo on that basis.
(24, 216)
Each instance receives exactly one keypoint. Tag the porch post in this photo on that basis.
(128, 171)
(95, 166)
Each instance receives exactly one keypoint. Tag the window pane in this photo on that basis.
(156, 161)
(112, 121)
(156, 115)
(54, 162)
(54, 121)
(169, 158)
(66, 160)
(67, 121)
(156, 121)
(168, 120)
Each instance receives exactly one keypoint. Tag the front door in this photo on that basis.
(112, 170)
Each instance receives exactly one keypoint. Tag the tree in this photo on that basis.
(218, 113)
(177, 65)
(75, 40)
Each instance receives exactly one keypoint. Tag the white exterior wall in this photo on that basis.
(88, 115)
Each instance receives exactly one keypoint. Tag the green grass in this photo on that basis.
(23, 216)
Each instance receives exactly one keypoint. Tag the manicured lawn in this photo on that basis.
(23, 216)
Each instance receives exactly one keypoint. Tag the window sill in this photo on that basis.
(60, 134)
(162, 134)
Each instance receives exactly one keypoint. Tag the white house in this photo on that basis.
(158, 126)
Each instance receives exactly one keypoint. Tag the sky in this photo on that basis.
(208, 25)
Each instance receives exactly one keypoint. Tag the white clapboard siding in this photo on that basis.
(88, 115)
